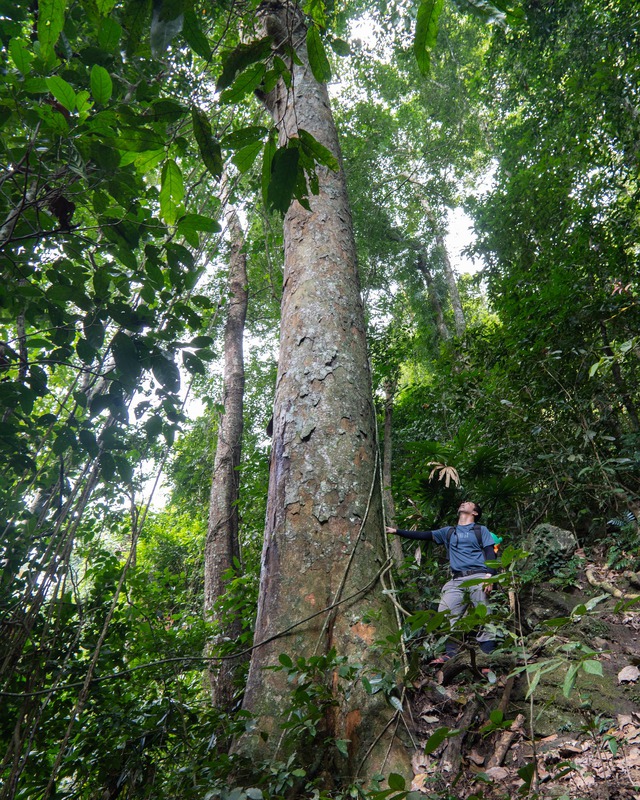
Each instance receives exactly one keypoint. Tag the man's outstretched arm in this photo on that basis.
(423, 535)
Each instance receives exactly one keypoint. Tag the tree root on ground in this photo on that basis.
(451, 758)
(608, 587)
(505, 741)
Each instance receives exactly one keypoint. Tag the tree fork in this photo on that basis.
(323, 535)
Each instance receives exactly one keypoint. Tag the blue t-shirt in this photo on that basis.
(464, 553)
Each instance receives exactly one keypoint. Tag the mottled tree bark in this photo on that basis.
(323, 538)
(222, 535)
(387, 452)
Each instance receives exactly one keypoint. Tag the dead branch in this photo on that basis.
(505, 741)
(451, 758)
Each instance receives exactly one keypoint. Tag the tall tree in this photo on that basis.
(323, 551)
(222, 549)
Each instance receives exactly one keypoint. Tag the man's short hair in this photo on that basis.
(478, 511)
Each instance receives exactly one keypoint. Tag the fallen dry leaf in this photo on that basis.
(475, 756)
(629, 674)
(497, 773)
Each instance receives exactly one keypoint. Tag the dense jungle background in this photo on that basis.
(147, 183)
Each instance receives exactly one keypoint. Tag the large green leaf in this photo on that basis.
(171, 192)
(209, 148)
(318, 60)
(62, 91)
(166, 22)
(22, 58)
(244, 158)
(193, 35)
(284, 177)
(318, 151)
(426, 32)
(101, 84)
(240, 58)
(246, 82)
(50, 23)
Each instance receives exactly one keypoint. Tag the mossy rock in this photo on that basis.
(591, 696)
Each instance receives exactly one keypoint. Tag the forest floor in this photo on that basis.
(586, 745)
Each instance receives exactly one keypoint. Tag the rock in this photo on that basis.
(550, 547)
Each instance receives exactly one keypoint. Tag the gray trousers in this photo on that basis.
(455, 599)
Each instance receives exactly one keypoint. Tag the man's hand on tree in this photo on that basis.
(390, 530)
(487, 588)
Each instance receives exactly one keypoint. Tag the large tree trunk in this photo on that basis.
(222, 536)
(323, 539)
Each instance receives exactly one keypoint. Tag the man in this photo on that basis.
(467, 558)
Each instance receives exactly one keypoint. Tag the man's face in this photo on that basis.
(467, 508)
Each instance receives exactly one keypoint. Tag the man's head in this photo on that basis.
(469, 507)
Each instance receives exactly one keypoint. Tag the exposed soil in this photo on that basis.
(586, 745)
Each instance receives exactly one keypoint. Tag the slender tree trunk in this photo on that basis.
(323, 540)
(452, 285)
(441, 325)
(387, 494)
(222, 536)
(449, 274)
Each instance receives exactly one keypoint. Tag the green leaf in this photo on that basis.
(62, 91)
(125, 355)
(168, 111)
(246, 82)
(435, 740)
(171, 192)
(166, 22)
(134, 20)
(426, 32)
(64, 440)
(101, 84)
(89, 442)
(193, 363)
(244, 158)
(50, 23)
(342, 745)
(243, 137)
(395, 702)
(194, 36)
(396, 782)
(318, 60)
(340, 47)
(592, 667)
(197, 222)
(109, 35)
(284, 177)
(166, 373)
(207, 145)
(284, 659)
(139, 140)
(318, 151)
(105, 6)
(22, 58)
(570, 679)
(240, 58)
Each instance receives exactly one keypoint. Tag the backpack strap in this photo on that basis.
(478, 532)
(476, 529)
(450, 533)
